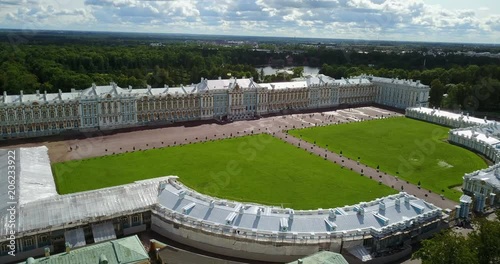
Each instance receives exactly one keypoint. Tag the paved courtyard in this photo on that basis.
(174, 135)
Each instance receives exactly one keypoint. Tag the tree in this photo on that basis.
(298, 72)
(486, 239)
(446, 247)
(436, 93)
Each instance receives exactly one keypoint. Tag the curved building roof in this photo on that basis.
(376, 217)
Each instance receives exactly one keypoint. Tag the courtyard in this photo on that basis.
(257, 168)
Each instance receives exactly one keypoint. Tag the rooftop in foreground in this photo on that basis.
(377, 217)
(120, 251)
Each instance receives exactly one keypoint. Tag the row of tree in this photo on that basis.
(454, 84)
(471, 88)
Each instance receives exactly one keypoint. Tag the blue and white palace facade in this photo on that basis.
(112, 107)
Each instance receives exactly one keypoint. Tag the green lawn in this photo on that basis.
(410, 149)
(258, 169)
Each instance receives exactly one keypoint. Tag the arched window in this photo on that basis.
(59, 111)
(67, 111)
(52, 112)
(19, 114)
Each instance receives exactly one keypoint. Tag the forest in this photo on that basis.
(457, 81)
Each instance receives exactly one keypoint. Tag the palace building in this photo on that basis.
(112, 107)
(482, 187)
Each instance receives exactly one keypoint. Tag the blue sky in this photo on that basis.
(413, 20)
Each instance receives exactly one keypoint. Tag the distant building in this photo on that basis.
(127, 250)
(112, 107)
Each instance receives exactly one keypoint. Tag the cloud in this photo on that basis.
(381, 19)
(17, 2)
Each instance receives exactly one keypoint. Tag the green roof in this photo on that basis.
(120, 251)
(323, 257)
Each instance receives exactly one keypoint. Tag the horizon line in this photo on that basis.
(252, 36)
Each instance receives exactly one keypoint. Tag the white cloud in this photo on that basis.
(379, 19)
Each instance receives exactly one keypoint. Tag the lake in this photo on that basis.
(270, 70)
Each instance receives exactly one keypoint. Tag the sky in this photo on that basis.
(465, 21)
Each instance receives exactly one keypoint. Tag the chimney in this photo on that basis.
(332, 214)
(47, 252)
(21, 96)
(4, 96)
(93, 85)
(73, 90)
(37, 93)
(361, 211)
(68, 247)
(381, 206)
(45, 95)
(103, 259)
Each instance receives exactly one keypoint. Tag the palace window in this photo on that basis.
(59, 111)
(36, 112)
(43, 240)
(28, 242)
(4, 248)
(20, 114)
(52, 112)
(67, 111)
